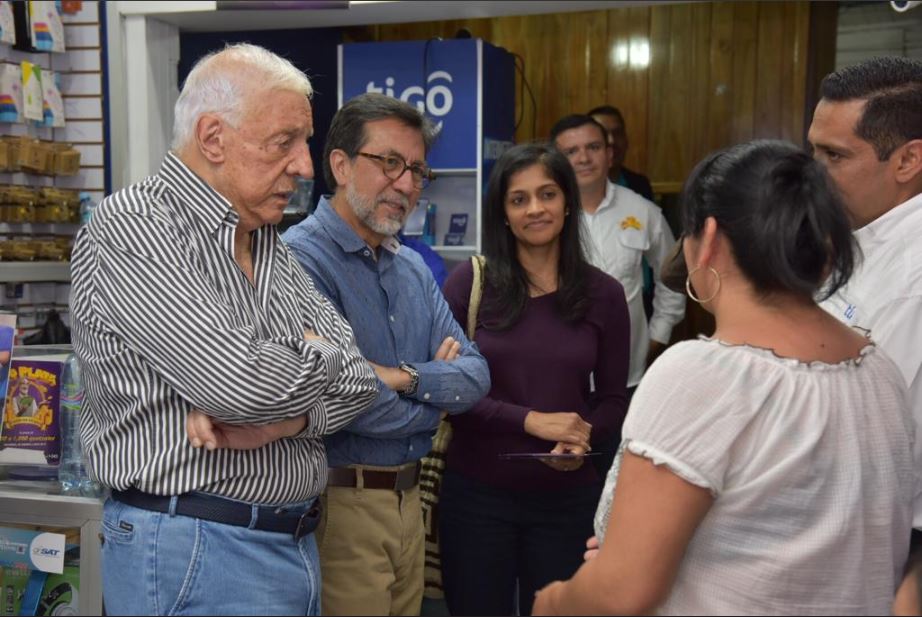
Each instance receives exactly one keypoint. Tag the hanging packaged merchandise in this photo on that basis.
(30, 155)
(52, 103)
(66, 160)
(32, 92)
(10, 93)
(47, 27)
(7, 27)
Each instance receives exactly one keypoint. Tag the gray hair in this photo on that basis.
(347, 131)
(224, 81)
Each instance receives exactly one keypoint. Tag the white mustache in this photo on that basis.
(398, 199)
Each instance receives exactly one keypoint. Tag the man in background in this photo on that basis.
(612, 120)
(372, 538)
(867, 131)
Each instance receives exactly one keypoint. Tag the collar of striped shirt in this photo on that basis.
(210, 206)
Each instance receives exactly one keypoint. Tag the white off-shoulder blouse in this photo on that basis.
(810, 465)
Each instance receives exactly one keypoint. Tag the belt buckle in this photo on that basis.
(405, 479)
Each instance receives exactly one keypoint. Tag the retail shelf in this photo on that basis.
(21, 503)
(454, 172)
(34, 271)
(467, 248)
(57, 229)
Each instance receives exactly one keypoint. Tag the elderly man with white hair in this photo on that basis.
(212, 367)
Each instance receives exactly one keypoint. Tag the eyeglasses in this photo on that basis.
(394, 167)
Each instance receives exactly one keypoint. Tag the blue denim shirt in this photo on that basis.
(398, 315)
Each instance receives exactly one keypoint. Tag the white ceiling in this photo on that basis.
(204, 16)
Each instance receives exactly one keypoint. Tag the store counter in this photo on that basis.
(28, 507)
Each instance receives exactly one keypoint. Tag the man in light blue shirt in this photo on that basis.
(371, 538)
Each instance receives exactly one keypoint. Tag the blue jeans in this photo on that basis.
(157, 564)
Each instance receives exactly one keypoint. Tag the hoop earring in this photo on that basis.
(691, 294)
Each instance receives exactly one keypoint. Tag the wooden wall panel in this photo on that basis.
(628, 87)
(669, 135)
(719, 127)
(769, 67)
(799, 24)
(690, 78)
(702, 96)
(743, 86)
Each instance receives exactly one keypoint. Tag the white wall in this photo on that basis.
(143, 58)
(874, 29)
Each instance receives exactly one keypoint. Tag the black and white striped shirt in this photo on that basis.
(164, 321)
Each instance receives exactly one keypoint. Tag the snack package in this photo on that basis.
(47, 27)
(7, 25)
(32, 92)
(10, 93)
(52, 103)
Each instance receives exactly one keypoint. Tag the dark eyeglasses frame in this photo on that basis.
(422, 176)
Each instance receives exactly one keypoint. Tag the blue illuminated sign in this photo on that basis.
(439, 78)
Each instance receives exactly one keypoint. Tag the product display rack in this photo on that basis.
(36, 505)
(80, 68)
(35, 271)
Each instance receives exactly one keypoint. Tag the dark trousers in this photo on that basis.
(915, 551)
(609, 449)
(493, 538)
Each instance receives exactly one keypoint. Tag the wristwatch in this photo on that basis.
(410, 370)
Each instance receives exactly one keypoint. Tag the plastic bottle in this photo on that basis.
(72, 473)
(429, 225)
(87, 206)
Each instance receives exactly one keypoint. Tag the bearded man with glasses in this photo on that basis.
(371, 534)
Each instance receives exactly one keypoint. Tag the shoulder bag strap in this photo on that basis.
(477, 262)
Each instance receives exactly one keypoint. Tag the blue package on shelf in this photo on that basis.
(456, 229)
(429, 225)
(458, 224)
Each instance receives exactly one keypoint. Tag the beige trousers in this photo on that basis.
(371, 551)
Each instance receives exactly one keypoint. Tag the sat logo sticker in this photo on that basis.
(47, 552)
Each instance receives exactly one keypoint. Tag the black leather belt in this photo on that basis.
(397, 480)
(218, 510)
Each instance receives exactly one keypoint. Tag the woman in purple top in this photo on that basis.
(550, 326)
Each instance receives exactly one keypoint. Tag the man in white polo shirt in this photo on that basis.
(867, 131)
(621, 228)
